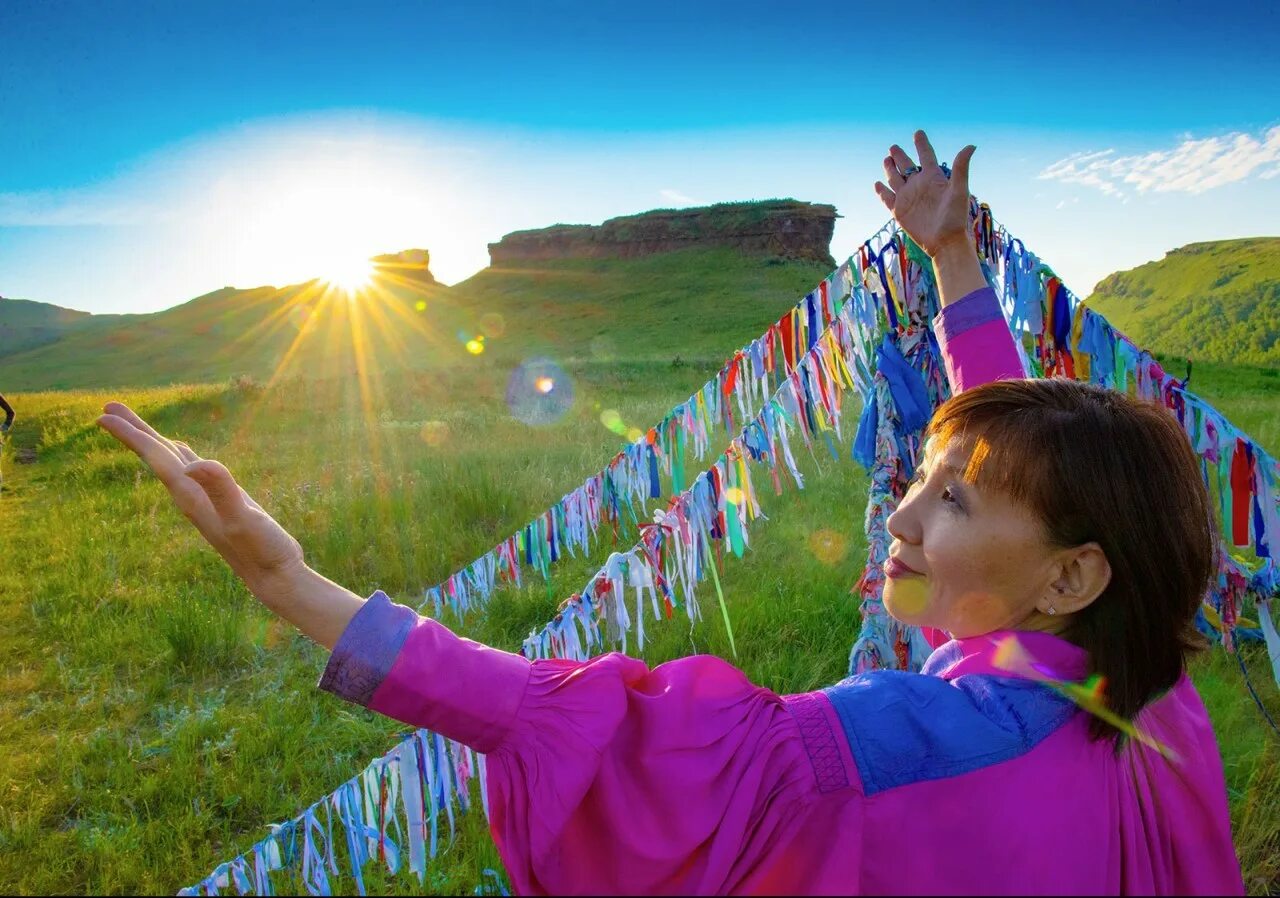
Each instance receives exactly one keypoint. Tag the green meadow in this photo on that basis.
(155, 719)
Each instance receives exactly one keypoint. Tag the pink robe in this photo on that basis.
(607, 776)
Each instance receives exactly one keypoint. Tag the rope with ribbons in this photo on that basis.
(607, 500)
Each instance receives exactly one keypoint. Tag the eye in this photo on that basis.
(917, 478)
(949, 496)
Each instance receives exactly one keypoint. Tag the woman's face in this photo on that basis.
(979, 561)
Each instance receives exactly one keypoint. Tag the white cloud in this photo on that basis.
(1193, 166)
(677, 198)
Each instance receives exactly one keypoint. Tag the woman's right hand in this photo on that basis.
(258, 549)
(932, 208)
(265, 557)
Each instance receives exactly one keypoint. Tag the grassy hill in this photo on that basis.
(698, 303)
(25, 324)
(1217, 301)
(223, 334)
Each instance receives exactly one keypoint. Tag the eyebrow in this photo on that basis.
(958, 472)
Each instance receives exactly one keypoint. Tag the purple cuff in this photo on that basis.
(367, 648)
(966, 313)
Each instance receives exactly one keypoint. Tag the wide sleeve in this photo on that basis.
(977, 345)
(416, 670)
(619, 779)
(603, 776)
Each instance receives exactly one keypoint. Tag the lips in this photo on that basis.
(895, 568)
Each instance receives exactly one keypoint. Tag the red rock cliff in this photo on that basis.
(787, 229)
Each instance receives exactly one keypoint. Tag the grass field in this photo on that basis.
(155, 719)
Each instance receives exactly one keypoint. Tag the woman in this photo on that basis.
(1056, 531)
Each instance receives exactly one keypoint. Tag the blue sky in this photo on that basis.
(156, 151)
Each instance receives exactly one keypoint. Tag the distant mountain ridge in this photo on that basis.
(1216, 301)
(26, 324)
(691, 305)
(571, 295)
(669, 284)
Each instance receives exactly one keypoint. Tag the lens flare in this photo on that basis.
(493, 324)
(420, 305)
(1090, 695)
(435, 433)
(828, 546)
(612, 420)
(539, 392)
(905, 598)
(475, 347)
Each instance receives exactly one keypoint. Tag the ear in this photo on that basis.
(1084, 572)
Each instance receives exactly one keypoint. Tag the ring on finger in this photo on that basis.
(911, 171)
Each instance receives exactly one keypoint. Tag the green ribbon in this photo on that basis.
(677, 460)
(715, 577)
(732, 526)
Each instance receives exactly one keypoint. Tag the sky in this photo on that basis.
(156, 151)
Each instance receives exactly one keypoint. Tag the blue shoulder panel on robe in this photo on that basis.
(906, 728)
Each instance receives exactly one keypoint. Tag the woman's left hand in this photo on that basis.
(932, 208)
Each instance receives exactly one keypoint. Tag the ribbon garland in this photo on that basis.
(743, 383)
(864, 327)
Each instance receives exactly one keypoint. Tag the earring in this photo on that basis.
(1052, 611)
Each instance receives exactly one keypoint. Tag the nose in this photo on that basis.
(903, 523)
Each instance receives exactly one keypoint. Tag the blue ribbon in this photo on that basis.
(906, 387)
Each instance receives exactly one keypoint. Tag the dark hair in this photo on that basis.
(1097, 466)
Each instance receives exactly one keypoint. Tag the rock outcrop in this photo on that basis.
(787, 229)
(408, 263)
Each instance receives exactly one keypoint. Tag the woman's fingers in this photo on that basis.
(900, 158)
(186, 452)
(120, 410)
(208, 496)
(887, 196)
(960, 169)
(159, 456)
(188, 496)
(891, 173)
(924, 149)
(135, 439)
(221, 488)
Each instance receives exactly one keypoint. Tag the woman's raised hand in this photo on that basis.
(257, 548)
(932, 208)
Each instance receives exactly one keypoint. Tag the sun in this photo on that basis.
(349, 275)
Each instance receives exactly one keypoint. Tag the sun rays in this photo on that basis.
(343, 333)
(349, 276)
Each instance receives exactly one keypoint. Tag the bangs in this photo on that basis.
(1011, 447)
